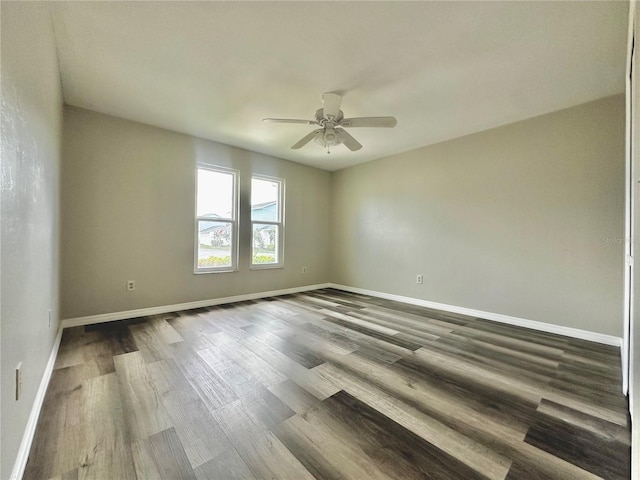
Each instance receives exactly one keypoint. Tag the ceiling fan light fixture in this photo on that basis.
(331, 119)
(330, 136)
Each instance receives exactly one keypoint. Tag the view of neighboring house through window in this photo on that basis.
(216, 220)
(267, 201)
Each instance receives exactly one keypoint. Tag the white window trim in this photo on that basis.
(280, 224)
(233, 221)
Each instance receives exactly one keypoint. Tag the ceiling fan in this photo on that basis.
(331, 120)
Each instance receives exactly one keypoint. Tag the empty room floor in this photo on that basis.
(329, 384)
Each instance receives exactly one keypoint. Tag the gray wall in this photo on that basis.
(513, 220)
(31, 130)
(128, 193)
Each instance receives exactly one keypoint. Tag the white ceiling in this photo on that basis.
(444, 69)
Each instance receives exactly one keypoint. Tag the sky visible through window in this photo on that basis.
(263, 191)
(215, 193)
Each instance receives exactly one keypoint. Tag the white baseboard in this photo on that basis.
(497, 317)
(143, 312)
(30, 429)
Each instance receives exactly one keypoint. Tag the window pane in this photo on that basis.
(214, 244)
(264, 200)
(265, 243)
(215, 194)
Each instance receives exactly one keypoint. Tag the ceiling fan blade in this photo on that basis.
(331, 103)
(349, 142)
(306, 139)
(386, 122)
(289, 120)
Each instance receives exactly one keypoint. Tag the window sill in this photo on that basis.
(266, 267)
(204, 272)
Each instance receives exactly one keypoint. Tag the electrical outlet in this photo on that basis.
(18, 381)
(131, 285)
(304, 269)
(419, 279)
(49, 318)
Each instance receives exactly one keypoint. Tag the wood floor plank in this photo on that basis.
(521, 333)
(442, 395)
(258, 447)
(296, 398)
(303, 377)
(266, 407)
(499, 363)
(170, 457)
(212, 389)
(319, 302)
(350, 319)
(150, 345)
(521, 471)
(339, 334)
(167, 378)
(527, 388)
(585, 406)
(397, 451)
(370, 329)
(100, 354)
(267, 457)
(192, 327)
(479, 448)
(70, 475)
(421, 332)
(474, 454)
(607, 431)
(586, 379)
(326, 452)
(200, 435)
(509, 356)
(509, 342)
(241, 382)
(351, 303)
(228, 466)
(105, 452)
(117, 334)
(70, 352)
(61, 421)
(143, 407)
(441, 323)
(163, 330)
(299, 353)
(466, 397)
(424, 312)
(405, 322)
(144, 461)
(162, 457)
(261, 370)
(580, 447)
(317, 343)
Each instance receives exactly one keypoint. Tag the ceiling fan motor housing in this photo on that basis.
(321, 119)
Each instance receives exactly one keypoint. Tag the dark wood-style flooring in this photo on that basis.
(329, 385)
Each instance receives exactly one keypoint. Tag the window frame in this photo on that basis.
(280, 224)
(233, 220)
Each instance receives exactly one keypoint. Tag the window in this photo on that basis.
(216, 236)
(267, 222)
